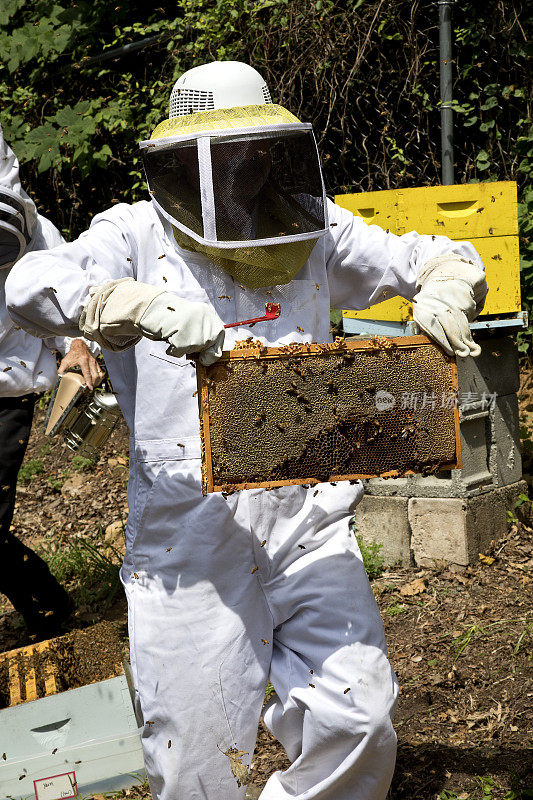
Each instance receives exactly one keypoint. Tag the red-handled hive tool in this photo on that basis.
(273, 310)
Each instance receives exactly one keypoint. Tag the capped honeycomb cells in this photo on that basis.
(304, 413)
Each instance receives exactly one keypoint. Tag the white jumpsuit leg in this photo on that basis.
(336, 691)
(196, 618)
(204, 620)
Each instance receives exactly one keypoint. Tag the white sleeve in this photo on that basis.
(367, 265)
(46, 235)
(63, 344)
(56, 343)
(47, 238)
(47, 290)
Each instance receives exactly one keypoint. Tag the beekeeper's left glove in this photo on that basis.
(451, 294)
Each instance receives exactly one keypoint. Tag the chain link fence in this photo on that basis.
(374, 94)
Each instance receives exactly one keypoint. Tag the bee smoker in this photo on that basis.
(86, 419)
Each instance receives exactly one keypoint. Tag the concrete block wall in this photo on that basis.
(431, 531)
(385, 520)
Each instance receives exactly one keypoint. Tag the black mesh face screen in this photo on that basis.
(11, 219)
(9, 200)
(266, 186)
(174, 179)
(9, 247)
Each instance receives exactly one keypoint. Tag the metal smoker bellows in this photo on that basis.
(88, 433)
(86, 419)
(308, 413)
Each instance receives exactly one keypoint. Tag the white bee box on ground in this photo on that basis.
(80, 741)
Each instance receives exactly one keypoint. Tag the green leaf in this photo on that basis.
(101, 156)
(491, 102)
(8, 9)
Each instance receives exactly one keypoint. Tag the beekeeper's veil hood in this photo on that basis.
(18, 215)
(237, 177)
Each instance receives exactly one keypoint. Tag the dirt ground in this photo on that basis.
(459, 639)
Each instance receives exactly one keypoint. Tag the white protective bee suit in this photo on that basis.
(225, 592)
(27, 368)
(27, 364)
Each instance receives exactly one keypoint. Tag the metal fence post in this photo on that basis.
(446, 113)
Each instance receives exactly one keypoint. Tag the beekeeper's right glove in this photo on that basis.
(120, 312)
(451, 294)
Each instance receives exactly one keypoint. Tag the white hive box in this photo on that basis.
(88, 737)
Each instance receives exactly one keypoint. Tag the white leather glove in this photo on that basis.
(451, 294)
(188, 327)
(120, 312)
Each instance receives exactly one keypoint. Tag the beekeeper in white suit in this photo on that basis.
(27, 368)
(225, 592)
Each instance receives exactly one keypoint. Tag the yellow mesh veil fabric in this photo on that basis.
(255, 266)
(224, 119)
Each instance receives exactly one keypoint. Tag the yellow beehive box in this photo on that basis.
(502, 266)
(465, 211)
(483, 213)
(376, 208)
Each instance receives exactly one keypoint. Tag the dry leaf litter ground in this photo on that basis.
(460, 639)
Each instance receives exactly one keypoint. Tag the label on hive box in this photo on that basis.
(56, 787)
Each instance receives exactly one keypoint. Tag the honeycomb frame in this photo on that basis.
(293, 363)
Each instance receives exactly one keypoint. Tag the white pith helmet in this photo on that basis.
(220, 84)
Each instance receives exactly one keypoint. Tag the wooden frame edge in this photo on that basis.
(233, 487)
(255, 348)
(205, 431)
(457, 421)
